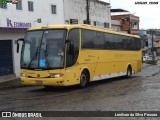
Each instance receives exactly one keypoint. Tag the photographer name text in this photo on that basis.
(146, 3)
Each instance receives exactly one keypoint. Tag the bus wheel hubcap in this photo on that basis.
(83, 79)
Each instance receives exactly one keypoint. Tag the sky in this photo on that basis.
(149, 14)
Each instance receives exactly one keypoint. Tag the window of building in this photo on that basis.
(3, 5)
(54, 9)
(134, 25)
(106, 25)
(19, 5)
(99, 24)
(85, 22)
(30, 6)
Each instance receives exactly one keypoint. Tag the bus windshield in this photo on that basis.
(43, 49)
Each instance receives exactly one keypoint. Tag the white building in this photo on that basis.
(28, 13)
(15, 21)
(75, 11)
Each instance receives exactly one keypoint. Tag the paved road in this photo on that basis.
(139, 93)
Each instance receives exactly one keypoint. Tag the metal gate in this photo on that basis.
(6, 59)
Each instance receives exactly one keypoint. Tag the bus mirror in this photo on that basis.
(21, 39)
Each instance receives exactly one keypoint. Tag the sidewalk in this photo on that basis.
(9, 82)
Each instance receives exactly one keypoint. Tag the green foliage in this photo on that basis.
(152, 62)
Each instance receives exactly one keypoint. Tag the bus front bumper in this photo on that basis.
(44, 81)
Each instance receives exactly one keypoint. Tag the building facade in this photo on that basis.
(155, 38)
(157, 44)
(127, 22)
(99, 12)
(17, 18)
(144, 41)
(150, 41)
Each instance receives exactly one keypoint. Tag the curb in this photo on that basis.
(16, 83)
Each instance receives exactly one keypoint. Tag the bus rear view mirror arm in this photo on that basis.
(21, 39)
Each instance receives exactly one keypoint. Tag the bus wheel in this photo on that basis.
(84, 79)
(129, 71)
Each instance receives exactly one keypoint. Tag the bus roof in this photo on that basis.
(84, 26)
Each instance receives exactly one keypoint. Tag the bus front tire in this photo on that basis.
(84, 79)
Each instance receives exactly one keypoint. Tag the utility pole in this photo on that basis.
(87, 11)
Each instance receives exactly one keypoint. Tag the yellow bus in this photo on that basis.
(64, 55)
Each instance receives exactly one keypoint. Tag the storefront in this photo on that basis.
(15, 20)
(10, 31)
(6, 57)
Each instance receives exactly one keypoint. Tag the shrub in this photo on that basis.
(152, 62)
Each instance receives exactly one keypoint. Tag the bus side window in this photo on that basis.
(72, 58)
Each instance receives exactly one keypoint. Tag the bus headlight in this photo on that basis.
(24, 75)
(57, 75)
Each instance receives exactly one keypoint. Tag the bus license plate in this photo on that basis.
(39, 82)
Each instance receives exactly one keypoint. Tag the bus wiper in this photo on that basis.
(46, 55)
(35, 55)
